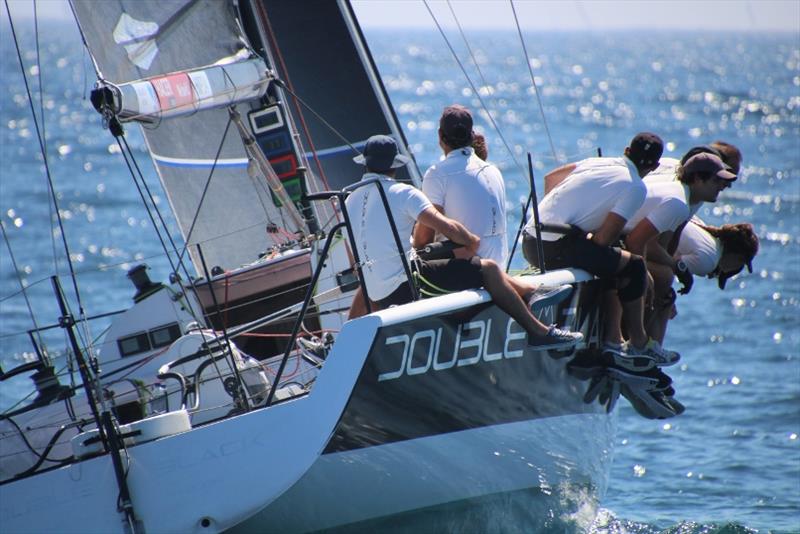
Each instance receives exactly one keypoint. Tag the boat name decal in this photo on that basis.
(423, 350)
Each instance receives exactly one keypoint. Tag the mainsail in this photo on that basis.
(175, 66)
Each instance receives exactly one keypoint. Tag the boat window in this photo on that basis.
(162, 336)
(133, 344)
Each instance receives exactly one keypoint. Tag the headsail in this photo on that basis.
(319, 52)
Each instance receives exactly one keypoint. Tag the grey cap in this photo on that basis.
(708, 163)
(381, 154)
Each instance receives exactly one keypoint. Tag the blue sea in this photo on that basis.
(731, 462)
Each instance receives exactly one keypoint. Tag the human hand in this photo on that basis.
(684, 277)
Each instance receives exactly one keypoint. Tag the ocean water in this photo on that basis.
(731, 462)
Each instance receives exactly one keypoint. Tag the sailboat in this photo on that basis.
(192, 415)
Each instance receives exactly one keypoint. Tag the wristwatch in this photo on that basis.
(681, 266)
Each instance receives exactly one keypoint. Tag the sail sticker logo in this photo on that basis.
(174, 91)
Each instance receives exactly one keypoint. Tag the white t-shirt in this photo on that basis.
(698, 249)
(665, 172)
(597, 187)
(377, 250)
(473, 193)
(666, 207)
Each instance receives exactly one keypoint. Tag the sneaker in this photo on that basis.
(547, 296)
(555, 339)
(629, 358)
(653, 349)
(650, 404)
(663, 357)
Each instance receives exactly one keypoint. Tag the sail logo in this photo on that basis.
(174, 91)
(424, 350)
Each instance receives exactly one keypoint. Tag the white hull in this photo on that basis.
(377, 482)
(484, 416)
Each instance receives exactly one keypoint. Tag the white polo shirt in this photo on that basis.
(473, 193)
(377, 250)
(666, 206)
(698, 249)
(597, 187)
(667, 167)
(665, 172)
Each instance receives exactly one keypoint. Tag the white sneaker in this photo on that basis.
(548, 295)
(662, 356)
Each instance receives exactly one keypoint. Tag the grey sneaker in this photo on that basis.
(555, 338)
(661, 356)
(629, 358)
(547, 296)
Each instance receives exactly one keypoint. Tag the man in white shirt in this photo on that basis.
(597, 196)
(667, 207)
(466, 188)
(382, 267)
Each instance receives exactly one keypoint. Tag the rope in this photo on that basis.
(471, 84)
(533, 82)
(485, 83)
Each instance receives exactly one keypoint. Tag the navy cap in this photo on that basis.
(646, 149)
(381, 154)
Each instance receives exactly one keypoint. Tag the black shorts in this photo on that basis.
(574, 251)
(438, 277)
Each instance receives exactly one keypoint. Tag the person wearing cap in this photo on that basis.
(694, 242)
(466, 188)
(597, 197)
(719, 252)
(668, 167)
(667, 207)
(384, 274)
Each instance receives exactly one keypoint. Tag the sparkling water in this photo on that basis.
(731, 462)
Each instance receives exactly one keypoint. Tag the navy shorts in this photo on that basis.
(574, 251)
(438, 277)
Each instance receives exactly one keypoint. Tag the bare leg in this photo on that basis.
(656, 326)
(633, 311)
(358, 307)
(507, 299)
(612, 318)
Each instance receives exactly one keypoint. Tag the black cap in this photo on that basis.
(381, 154)
(456, 126)
(646, 149)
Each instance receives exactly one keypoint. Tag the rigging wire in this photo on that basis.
(469, 81)
(51, 186)
(22, 286)
(483, 79)
(533, 82)
(44, 130)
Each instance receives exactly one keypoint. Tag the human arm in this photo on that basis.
(424, 234)
(553, 178)
(610, 230)
(453, 230)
